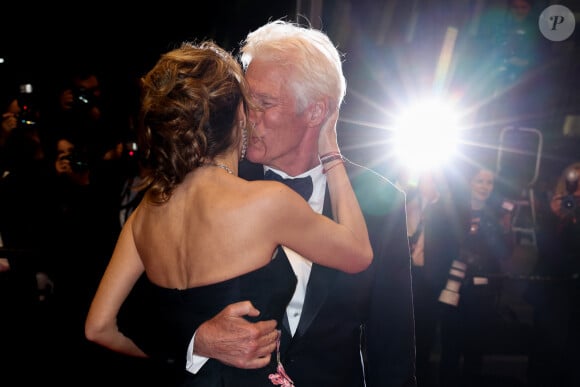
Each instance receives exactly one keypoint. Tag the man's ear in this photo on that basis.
(318, 112)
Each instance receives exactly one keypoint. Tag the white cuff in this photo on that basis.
(194, 362)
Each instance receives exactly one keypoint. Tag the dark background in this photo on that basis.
(39, 38)
(41, 42)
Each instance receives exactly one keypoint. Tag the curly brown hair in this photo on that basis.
(189, 103)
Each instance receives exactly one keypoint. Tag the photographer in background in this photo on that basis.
(79, 240)
(83, 95)
(70, 163)
(78, 100)
(564, 202)
(469, 319)
(23, 180)
(554, 290)
(10, 110)
(20, 115)
(76, 96)
(81, 101)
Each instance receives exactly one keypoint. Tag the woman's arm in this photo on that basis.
(123, 271)
(343, 244)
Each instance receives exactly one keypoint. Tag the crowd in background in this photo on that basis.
(67, 161)
(463, 247)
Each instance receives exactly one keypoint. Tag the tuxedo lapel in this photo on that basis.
(251, 171)
(321, 277)
(319, 284)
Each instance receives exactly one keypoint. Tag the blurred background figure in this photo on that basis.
(69, 162)
(566, 194)
(516, 78)
(77, 99)
(555, 291)
(84, 91)
(82, 105)
(20, 112)
(10, 112)
(79, 239)
(130, 195)
(77, 94)
(62, 171)
(434, 228)
(518, 40)
(467, 328)
(23, 182)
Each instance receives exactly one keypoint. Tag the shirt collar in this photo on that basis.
(318, 183)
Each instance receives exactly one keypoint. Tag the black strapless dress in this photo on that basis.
(169, 317)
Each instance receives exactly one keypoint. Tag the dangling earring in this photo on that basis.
(244, 141)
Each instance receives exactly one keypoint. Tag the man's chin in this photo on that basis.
(256, 156)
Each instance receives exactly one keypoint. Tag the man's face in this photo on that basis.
(280, 131)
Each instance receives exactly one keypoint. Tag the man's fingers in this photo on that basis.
(267, 327)
(242, 308)
(230, 338)
(268, 344)
(261, 339)
(261, 343)
(256, 362)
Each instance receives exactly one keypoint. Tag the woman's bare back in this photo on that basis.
(206, 233)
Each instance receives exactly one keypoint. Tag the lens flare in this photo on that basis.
(426, 135)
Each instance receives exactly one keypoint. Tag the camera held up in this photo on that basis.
(79, 161)
(28, 116)
(83, 98)
(570, 202)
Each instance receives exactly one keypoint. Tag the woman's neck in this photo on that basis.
(477, 204)
(227, 162)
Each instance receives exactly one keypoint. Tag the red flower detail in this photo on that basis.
(280, 378)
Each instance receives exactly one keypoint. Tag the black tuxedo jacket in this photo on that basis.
(366, 318)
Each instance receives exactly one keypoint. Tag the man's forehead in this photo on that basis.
(269, 81)
(263, 71)
(266, 88)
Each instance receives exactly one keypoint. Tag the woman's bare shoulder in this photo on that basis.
(272, 193)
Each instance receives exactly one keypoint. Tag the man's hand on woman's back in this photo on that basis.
(233, 340)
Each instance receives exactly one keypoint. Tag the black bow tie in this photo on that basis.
(302, 185)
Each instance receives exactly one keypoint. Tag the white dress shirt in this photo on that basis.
(300, 265)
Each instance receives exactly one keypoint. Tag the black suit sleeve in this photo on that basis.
(389, 338)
